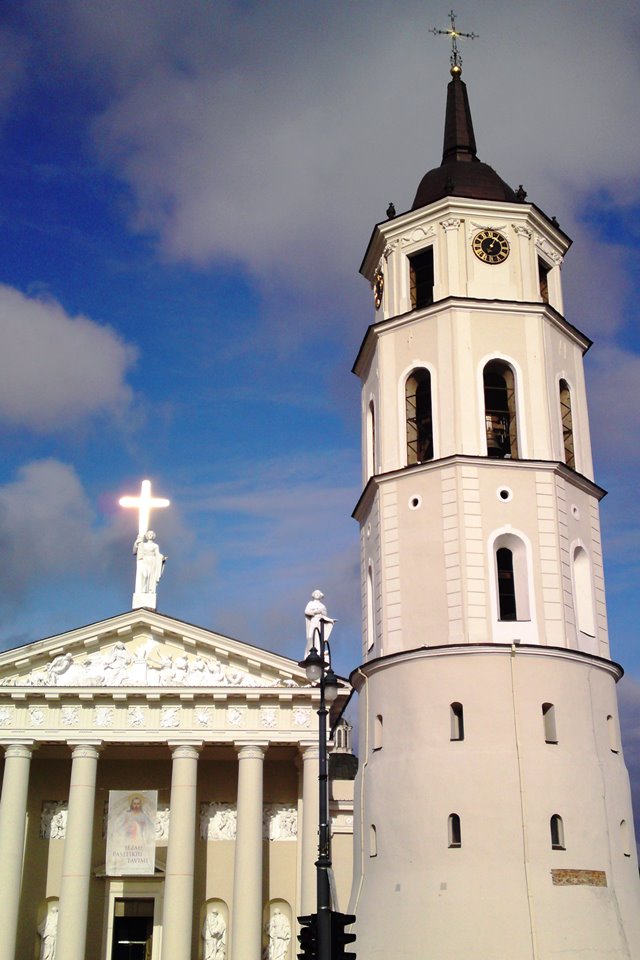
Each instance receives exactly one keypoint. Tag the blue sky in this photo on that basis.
(186, 192)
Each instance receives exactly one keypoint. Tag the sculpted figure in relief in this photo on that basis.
(115, 665)
(214, 934)
(53, 820)
(150, 562)
(148, 666)
(48, 932)
(162, 823)
(278, 930)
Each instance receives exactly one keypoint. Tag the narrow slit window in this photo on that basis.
(377, 733)
(567, 425)
(373, 841)
(421, 279)
(419, 417)
(556, 828)
(455, 833)
(457, 721)
(624, 835)
(612, 730)
(549, 722)
(500, 411)
(506, 584)
(543, 280)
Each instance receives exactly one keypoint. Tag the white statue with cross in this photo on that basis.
(149, 561)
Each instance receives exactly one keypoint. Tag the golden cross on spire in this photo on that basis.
(456, 59)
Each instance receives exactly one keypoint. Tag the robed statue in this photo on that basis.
(150, 562)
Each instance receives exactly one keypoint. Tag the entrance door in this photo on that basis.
(132, 930)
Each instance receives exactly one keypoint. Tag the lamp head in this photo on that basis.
(312, 665)
(330, 686)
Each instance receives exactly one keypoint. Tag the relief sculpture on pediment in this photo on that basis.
(149, 665)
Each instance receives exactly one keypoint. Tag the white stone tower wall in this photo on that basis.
(427, 537)
(505, 783)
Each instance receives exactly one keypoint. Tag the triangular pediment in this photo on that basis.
(144, 648)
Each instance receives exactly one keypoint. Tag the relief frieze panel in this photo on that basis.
(150, 665)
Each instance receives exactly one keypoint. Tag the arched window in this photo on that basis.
(556, 828)
(371, 613)
(511, 578)
(457, 721)
(371, 438)
(549, 722)
(567, 424)
(419, 417)
(506, 584)
(583, 592)
(500, 410)
(377, 733)
(455, 833)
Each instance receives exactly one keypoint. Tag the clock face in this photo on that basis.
(378, 287)
(490, 246)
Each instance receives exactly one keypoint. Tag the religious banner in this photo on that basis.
(131, 832)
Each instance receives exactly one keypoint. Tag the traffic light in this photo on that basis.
(339, 937)
(308, 937)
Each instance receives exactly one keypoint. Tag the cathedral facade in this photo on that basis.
(160, 796)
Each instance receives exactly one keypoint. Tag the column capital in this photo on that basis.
(85, 749)
(181, 750)
(251, 751)
(310, 751)
(23, 750)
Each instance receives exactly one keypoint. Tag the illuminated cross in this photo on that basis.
(456, 59)
(145, 503)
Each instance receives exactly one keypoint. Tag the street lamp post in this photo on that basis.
(317, 665)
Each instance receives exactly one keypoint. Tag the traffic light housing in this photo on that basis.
(340, 938)
(308, 937)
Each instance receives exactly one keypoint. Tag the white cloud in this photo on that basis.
(57, 370)
(613, 376)
(278, 137)
(45, 527)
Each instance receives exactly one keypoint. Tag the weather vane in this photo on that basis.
(456, 59)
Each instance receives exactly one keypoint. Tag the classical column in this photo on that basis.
(308, 836)
(76, 862)
(246, 927)
(13, 818)
(177, 917)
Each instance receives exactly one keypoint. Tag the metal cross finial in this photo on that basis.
(456, 58)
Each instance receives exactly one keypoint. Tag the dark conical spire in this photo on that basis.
(459, 141)
(461, 174)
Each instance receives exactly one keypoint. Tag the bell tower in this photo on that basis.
(495, 818)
